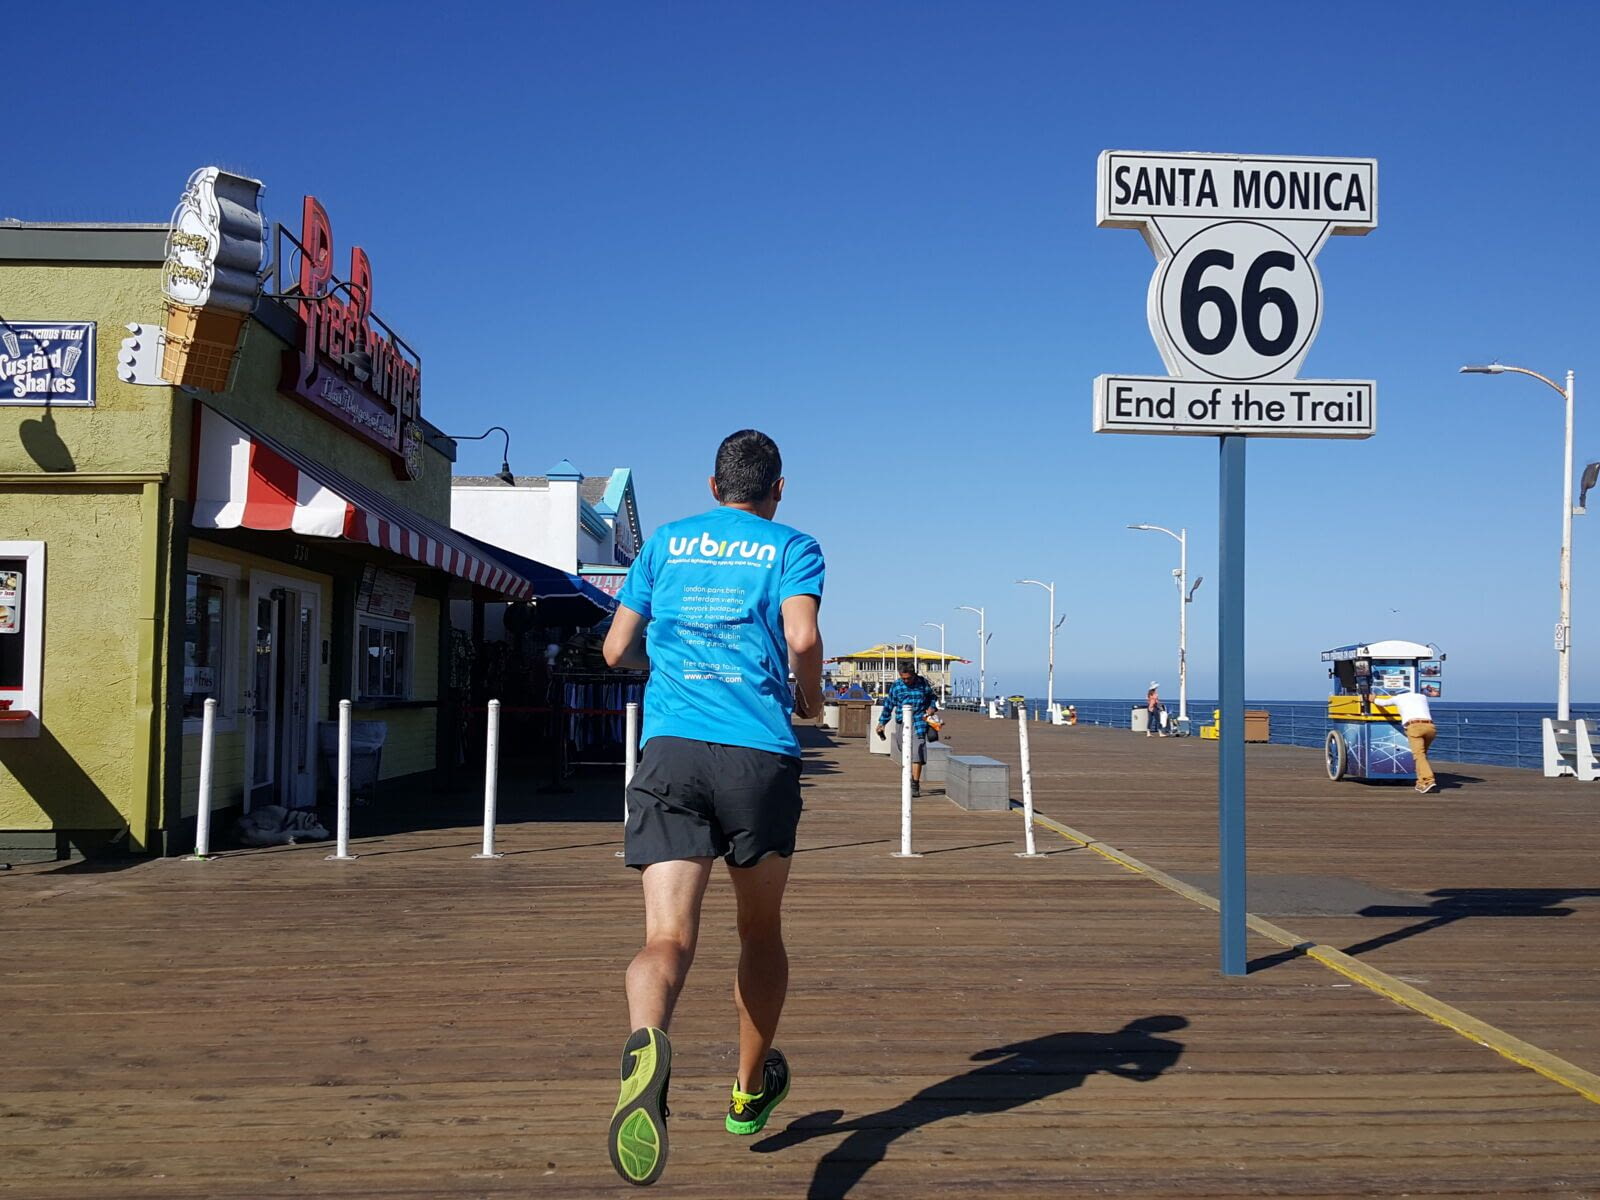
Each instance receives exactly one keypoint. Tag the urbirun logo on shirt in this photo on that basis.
(706, 546)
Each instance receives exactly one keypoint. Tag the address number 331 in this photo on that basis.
(1237, 301)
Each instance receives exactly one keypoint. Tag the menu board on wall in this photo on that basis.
(386, 594)
(10, 601)
(1393, 679)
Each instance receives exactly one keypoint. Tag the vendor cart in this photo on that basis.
(1365, 739)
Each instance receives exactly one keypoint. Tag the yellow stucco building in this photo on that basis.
(161, 546)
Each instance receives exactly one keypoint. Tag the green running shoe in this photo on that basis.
(748, 1114)
(638, 1140)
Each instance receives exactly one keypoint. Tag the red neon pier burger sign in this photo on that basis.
(362, 379)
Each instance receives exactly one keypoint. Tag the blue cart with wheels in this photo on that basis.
(1365, 739)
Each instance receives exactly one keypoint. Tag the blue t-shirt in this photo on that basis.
(712, 588)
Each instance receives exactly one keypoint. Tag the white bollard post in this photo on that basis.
(491, 780)
(630, 757)
(1027, 788)
(343, 846)
(907, 734)
(202, 816)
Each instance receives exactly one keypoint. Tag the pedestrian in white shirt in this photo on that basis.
(1416, 718)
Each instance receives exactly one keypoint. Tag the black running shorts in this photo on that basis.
(693, 799)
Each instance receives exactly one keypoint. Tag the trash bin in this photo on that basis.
(366, 753)
(855, 718)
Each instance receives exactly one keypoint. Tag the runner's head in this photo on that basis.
(749, 473)
(908, 673)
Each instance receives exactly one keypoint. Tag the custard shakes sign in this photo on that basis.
(1236, 300)
(47, 363)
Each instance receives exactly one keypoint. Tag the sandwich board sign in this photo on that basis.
(1234, 306)
(1236, 300)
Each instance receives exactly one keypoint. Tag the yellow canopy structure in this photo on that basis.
(887, 650)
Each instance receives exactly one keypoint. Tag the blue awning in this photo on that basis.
(561, 598)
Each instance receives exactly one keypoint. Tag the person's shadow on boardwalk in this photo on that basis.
(1018, 1074)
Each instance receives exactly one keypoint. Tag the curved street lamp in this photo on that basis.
(504, 473)
(1185, 598)
(1050, 670)
(944, 664)
(983, 652)
(1564, 623)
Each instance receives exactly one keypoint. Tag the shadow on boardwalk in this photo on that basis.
(1458, 904)
(1017, 1074)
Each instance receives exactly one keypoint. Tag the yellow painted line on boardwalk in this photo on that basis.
(1558, 1070)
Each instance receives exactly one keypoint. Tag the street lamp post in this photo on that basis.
(1050, 672)
(983, 652)
(1185, 598)
(1564, 623)
(944, 663)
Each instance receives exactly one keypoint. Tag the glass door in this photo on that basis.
(297, 769)
(284, 637)
(261, 698)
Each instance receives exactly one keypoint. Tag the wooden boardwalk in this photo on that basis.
(419, 1024)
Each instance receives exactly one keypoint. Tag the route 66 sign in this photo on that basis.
(1236, 300)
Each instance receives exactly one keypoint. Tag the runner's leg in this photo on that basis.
(672, 895)
(763, 980)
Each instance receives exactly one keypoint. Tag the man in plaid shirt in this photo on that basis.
(910, 689)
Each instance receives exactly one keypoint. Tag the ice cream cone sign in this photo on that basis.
(211, 279)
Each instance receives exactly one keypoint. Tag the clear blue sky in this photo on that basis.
(625, 229)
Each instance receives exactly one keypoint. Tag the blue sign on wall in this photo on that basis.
(47, 363)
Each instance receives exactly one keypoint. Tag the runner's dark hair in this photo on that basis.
(748, 467)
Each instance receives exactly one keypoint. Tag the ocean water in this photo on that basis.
(1506, 735)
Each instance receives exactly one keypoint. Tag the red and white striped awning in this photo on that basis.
(247, 480)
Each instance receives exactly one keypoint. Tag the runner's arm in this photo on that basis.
(625, 640)
(805, 651)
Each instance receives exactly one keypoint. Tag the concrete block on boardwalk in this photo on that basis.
(978, 784)
(878, 745)
(937, 768)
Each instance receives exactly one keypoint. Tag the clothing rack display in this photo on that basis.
(590, 712)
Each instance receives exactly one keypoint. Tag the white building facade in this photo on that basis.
(586, 526)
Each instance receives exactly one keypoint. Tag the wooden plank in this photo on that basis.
(417, 1024)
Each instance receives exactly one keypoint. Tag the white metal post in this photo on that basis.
(342, 850)
(202, 815)
(491, 780)
(1183, 629)
(630, 755)
(907, 733)
(1564, 681)
(630, 760)
(1050, 676)
(1027, 786)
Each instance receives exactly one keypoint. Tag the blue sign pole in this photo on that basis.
(1230, 663)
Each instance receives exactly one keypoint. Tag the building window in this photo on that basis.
(205, 659)
(383, 659)
(21, 637)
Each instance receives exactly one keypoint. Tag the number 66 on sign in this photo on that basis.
(1236, 300)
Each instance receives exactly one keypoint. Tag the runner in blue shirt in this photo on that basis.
(729, 601)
